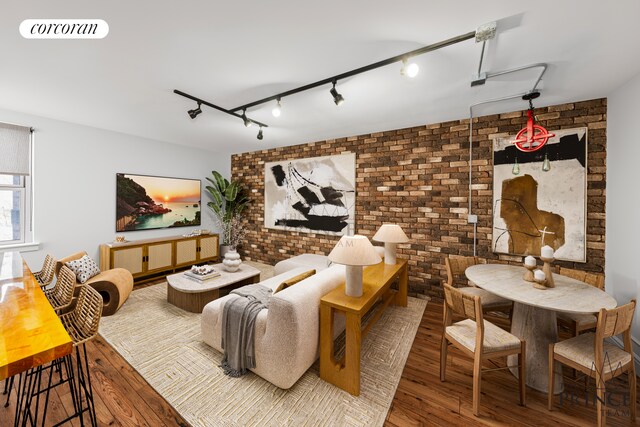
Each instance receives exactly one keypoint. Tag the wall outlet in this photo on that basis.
(472, 219)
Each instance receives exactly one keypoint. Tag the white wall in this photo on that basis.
(623, 197)
(75, 178)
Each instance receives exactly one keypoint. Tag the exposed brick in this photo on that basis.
(418, 178)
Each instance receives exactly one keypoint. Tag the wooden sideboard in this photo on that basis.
(153, 257)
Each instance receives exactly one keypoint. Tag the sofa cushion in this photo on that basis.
(293, 280)
(317, 262)
(84, 268)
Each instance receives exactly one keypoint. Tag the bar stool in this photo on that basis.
(82, 326)
(45, 275)
(61, 295)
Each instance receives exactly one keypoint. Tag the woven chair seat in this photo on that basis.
(495, 338)
(580, 350)
(584, 321)
(488, 299)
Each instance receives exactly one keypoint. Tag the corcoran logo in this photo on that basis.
(64, 29)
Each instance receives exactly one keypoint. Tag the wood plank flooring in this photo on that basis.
(422, 400)
(123, 397)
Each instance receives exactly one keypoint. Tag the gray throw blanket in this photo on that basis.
(238, 325)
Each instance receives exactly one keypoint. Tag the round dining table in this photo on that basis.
(534, 313)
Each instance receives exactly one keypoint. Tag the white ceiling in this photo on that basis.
(231, 53)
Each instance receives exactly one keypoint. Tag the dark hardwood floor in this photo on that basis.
(422, 399)
(123, 397)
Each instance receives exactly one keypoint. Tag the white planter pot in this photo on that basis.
(232, 260)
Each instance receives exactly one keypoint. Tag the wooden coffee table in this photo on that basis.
(192, 296)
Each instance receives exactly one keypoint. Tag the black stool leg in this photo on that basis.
(8, 387)
(89, 389)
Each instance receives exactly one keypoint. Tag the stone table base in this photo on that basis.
(539, 328)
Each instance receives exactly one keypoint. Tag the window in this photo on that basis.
(15, 185)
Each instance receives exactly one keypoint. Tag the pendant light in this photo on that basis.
(516, 168)
(546, 164)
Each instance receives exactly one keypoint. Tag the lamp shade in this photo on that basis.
(390, 233)
(14, 146)
(354, 250)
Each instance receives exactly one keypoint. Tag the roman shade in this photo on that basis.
(15, 143)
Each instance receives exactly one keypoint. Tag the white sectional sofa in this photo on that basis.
(286, 334)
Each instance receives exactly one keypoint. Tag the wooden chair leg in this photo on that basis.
(601, 406)
(551, 378)
(632, 391)
(522, 374)
(444, 346)
(477, 381)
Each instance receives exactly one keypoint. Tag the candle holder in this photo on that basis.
(528, 274)
(540, 284)
(546, 268)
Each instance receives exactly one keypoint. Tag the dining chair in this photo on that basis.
(579, 322)
(45, 276)
(456, 266)
(61, 295)
(478, 339)
(590, 354)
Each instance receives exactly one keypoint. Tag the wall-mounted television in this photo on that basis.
(146, 202)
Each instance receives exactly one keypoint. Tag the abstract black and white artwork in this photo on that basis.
(313, 195)
(538, 202)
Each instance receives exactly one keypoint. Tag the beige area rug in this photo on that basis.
(163, 344)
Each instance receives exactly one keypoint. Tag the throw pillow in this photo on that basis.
(84, 268)
(293, 280)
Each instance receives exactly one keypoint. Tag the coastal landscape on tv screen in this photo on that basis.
(149, 202)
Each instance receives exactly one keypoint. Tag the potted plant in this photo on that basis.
(228, 201)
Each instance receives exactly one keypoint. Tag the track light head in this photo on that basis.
(247, 122)
(409, 69)
(277, 109)
(260, 136)
(337, 98)
(194, 113)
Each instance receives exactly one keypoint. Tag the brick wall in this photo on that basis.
(418, 178)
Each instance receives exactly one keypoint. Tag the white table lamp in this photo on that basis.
(391, 235)
(354, 252)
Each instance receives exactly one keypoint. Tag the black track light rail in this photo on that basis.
(398, 58)
(216, 107)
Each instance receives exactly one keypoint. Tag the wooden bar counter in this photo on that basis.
(30, 332)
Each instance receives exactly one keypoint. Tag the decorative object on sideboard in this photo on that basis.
(354, 252)
(311, 195)
(530, 265)
(228, 201)
(391, 235)
(547, 256)
(232, 261)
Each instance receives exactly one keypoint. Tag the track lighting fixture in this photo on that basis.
(260, 134)
(194, 113)
(277, 109)
(337, 98)
(247, 121)
(409, 69)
